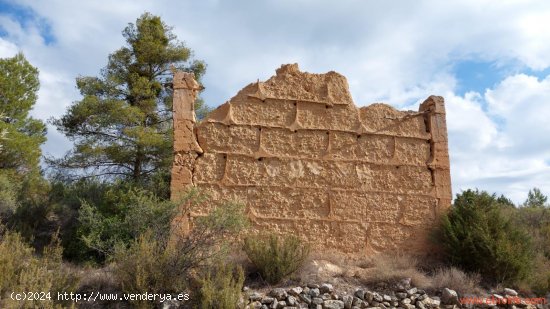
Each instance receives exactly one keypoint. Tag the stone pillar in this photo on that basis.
(434, 109)
(186, 147)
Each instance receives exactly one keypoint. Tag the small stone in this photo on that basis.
(245, 288)
(268, 300)
(405, 301)
(387, 304)
(256, 305)
(295, 291)
(420, 305)
(422, 297)
(348, 301)
(326, 288)
(335, 296)
(305, 298)
(333, 304)
(306, 290)
(291, 300)
(510, 292)
(313, 286)
(401, 295)
(386, 297)
(449, 297)
(359, 293)
(357, 302)
(412, 291)
(255, 296)
(314, 292)
(281, 304)
(317, 301)
(369, 296)
(377, 297)
(278, 293)
(421, 292)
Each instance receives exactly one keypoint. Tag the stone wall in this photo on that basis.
(305, 160)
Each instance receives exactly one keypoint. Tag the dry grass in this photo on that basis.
(389, 269)
(455, 279)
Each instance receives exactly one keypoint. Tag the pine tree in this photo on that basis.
(122, 127)
(21, 135)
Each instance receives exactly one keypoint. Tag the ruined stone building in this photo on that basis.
(305, 160)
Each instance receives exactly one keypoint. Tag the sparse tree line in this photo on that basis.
(105, 204)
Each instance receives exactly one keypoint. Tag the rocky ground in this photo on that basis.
(401, 296)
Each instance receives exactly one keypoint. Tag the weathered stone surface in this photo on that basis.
(305, 160)
(221, 138)
(301, 143)
(288, 203)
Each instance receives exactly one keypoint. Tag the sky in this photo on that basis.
(490, 60)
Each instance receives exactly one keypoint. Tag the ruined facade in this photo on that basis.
(305, 160)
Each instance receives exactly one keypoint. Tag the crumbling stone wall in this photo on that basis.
(305, 160)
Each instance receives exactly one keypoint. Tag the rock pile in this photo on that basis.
(324, 296)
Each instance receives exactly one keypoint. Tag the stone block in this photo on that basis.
(221, 138)
(287, 143)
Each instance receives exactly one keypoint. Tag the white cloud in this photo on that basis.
(507, 148)
(7, 49)
(398, 52)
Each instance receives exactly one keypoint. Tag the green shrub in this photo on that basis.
(221, 287)
(276, 257)
(149, 266)
(534, 218)
(479, 238)
(22, 271)
(165, 263)
(132, 213)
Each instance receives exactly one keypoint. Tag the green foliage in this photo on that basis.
(122, 127)
(130, 214)
(478, 237)
(8, 197)
(221, 287)
(21, 135)
(535, 199)
(162, 263)
(276, 257)
(22, 271)
(534, 218)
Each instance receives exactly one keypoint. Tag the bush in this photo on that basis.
(134, 211)
(22, 271)
(221, 287)
(455, 279)
(478, 238)
(535, 219)
(166, 263)
(276, 258)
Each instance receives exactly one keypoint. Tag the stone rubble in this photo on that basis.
(325, 296)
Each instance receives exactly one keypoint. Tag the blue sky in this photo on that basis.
(489, 59)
